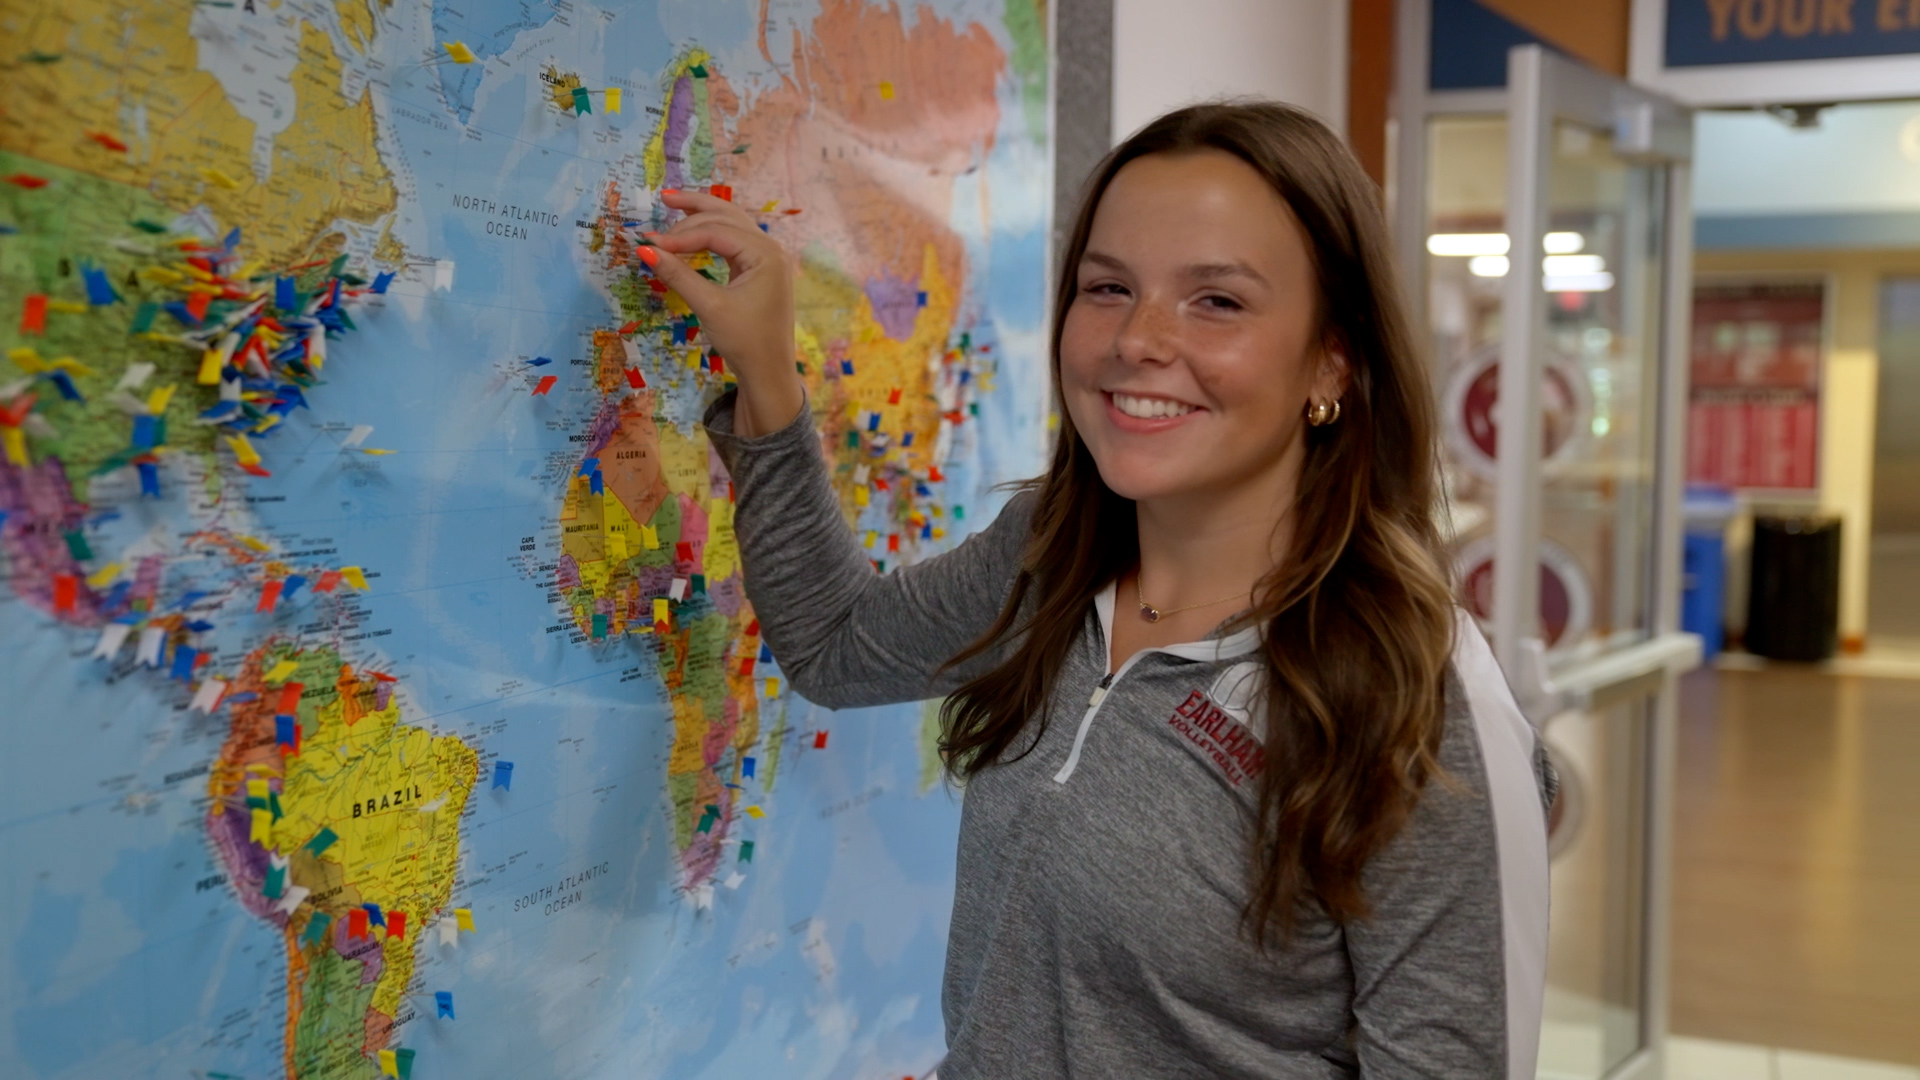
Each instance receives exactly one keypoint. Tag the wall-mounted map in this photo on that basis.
(380, 691)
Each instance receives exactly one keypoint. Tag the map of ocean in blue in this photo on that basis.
(131, 959)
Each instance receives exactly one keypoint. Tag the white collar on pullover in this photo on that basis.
(1238, 643)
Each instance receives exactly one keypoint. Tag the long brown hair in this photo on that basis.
(1357, 618)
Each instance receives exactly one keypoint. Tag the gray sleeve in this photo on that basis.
(845, 635)
(1441, 982)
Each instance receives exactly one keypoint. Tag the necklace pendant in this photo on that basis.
(1149, 612)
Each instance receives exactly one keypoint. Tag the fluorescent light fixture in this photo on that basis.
(1470, 243)
(1562, 273)
(1492, 243)
(1599, 282)
(1563, 243)
(1566, 265)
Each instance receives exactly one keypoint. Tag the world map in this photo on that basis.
(382, 695)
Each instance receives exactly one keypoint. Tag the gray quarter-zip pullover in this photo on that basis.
(1097, 912)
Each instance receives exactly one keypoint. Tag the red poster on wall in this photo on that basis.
(1753, 414)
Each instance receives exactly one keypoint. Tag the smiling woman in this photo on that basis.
(1294, 826)
(1190, 337)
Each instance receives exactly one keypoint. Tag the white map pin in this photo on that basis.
(112, 636)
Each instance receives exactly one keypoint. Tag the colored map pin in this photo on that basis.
(316, 928)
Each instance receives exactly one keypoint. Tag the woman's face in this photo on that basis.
(1189, 353)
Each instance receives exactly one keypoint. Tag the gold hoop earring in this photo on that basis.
(1322, 413)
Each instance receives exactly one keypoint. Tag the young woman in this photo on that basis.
(1246, 794)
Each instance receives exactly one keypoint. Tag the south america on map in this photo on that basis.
(383, 694)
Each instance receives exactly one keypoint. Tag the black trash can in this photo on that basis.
(1793, 606)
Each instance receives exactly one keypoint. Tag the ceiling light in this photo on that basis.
(1566, 265)
(1599, 282)
(1563, 243)
(1487, 266)
(1490, 243)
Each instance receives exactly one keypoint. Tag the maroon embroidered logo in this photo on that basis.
(1222, 738)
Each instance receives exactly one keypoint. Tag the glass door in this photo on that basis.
(1589, 316)
(1545, 227)
(1585, 401)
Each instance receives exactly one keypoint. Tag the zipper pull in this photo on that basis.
(1100, 691)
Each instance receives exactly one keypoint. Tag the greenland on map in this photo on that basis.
(381, 694)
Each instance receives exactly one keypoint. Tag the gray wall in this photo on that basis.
(1083, 101)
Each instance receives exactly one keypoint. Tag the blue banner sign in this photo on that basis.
(1706, 32)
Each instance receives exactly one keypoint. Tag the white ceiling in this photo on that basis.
(1862, 158)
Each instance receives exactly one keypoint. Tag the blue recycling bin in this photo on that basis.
(1703, 564)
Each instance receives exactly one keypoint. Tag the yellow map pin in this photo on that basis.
(460, 53)
(243, 450)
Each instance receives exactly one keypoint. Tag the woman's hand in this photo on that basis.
(750, 318)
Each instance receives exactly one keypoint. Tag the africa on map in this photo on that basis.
(382, 693)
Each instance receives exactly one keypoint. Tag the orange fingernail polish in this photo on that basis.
(669, 191)
(649, 256)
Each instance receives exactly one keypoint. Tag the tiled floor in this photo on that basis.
(1796, 885)
(1704, 1059)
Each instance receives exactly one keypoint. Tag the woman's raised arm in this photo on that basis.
(844, 634)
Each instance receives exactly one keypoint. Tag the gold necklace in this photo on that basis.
(1154, 614)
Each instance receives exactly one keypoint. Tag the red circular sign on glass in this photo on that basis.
(1566, 600)
(1473, 415)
